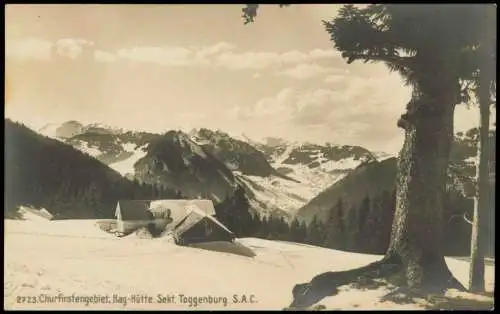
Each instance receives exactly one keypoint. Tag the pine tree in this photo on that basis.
(241, 212)
(364, 234)
(93, 200)
(351, 228)
(284, 229)
(264, 227)
(222, 212)
(303, 232)
(315, 232)
(255, 226)
(294, 234)
(364, 211)
(370, 234)
(340, 230)
(332, 227)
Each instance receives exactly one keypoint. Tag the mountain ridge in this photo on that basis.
(278, 178)
(44, 172)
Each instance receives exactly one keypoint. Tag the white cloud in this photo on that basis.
(320, 54)
(215, 49)
(202, 55)
(334, 78)
(294, 56)
(104, 56)
(306, 70)
(355, 110)
(71, 47)
(168, 56)
(175, 55)
(222, 55)
(246, 60)
(260, 60)
(31, 48)
(273, 106)
(39, 49)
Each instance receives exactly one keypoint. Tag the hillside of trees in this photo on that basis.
(46, 173)
(365, 228)
(369, 179)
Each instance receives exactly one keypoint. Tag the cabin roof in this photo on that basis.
(134, 210)
(179, 209)
(28, 212)
(194, 216)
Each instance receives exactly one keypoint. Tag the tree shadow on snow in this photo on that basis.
(325, 285)
(374, 276)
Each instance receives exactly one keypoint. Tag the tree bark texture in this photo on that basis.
(487, 74)
(416, 238)
(478, 238)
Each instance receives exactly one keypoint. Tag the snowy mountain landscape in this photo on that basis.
(289, 180)
(250, 157)
(279, 178)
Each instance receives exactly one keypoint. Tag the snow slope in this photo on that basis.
(90, 150)
(75, 257)
(285, 195)
(126, 166)
(314, 173)
(289, 196)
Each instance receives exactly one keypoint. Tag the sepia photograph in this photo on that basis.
(275, 157)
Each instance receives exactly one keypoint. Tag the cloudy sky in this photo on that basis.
(161, 67)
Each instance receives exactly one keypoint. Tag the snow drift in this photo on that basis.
(76, 258)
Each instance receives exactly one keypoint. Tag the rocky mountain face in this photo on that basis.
(236, 154)
(315, 166)
(327, 157)
(119, 150)
(45, 173)
(296, 159)
(278, 177)
(174, 160)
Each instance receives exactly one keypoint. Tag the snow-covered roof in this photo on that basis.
(179, 209)
(133, 210)
(194, 216)
(195, 209)
(29, 213)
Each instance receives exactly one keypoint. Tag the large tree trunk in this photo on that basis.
(476, 275)
(416, 238)
(481, 198)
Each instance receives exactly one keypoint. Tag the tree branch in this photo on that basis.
(401, 61)
(250, 12)
(467, 220)
(464, 216)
